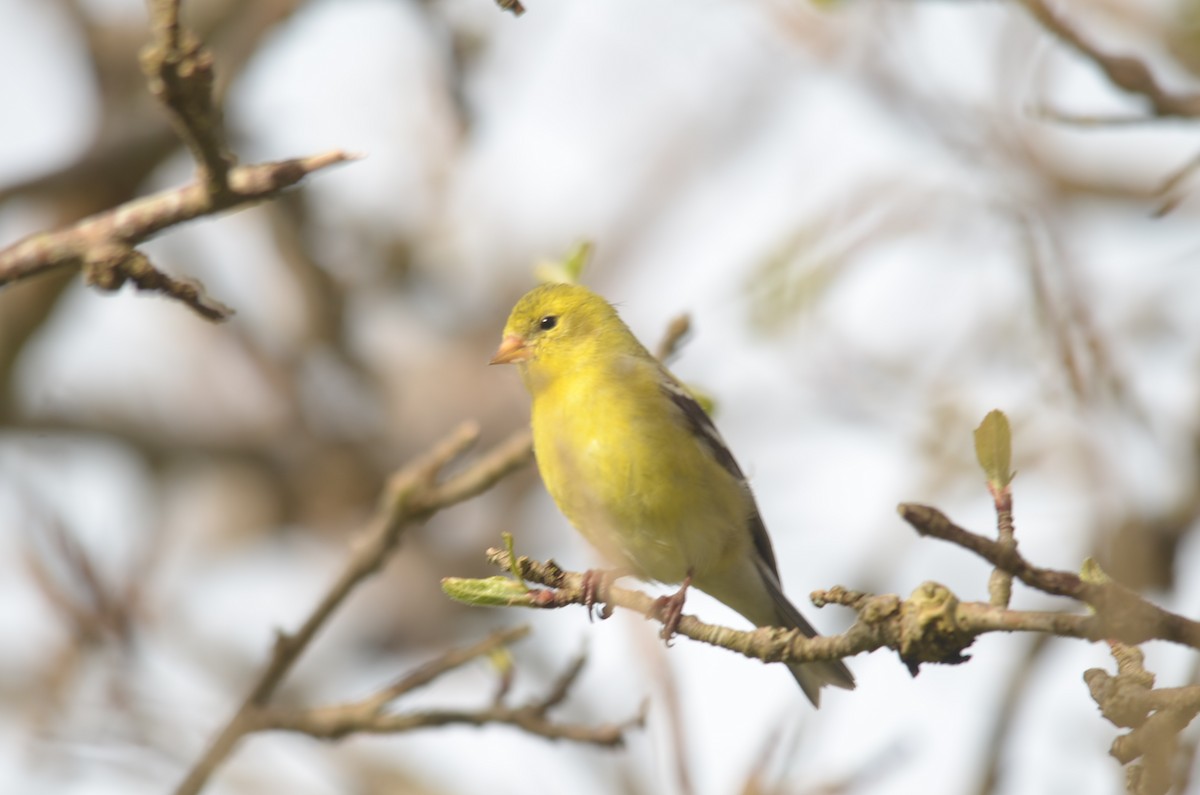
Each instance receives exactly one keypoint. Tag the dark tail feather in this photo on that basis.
(810, 676)
(813, 676)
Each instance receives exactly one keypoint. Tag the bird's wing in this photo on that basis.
(701, 426)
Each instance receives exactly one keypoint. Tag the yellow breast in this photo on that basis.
(627, 472)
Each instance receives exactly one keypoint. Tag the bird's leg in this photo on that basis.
(595, 591)
(670, 609)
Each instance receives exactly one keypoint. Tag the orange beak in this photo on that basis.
(511, 351)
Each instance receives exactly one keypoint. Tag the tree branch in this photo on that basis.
(930, 626)
(1125, 72)
(412, 495)
(103, 244)
(1123, 614)
(369, 715)
(179, 70)
(1156, 717)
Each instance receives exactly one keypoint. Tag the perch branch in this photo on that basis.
(1123, 614)
(930, 626)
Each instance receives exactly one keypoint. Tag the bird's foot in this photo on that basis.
(670, 609)
(595, 592)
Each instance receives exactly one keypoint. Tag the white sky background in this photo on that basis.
(691, 141)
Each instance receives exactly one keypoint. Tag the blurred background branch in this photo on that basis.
(103, 244)
(180, 73)
(1126, 72)
(413, 494)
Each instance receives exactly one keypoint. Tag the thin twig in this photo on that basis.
(442, 664)
(1128, 74)
(1000, 581)
(1171, 190)
(1091, 120)
(369, 716)
(1156, 718)
(412, 495)
(179, 69)
(514, 7)
(677, 331)
(331, 726)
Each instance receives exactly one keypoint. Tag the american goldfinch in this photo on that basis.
(636, 465)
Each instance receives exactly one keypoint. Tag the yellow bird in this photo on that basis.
(636, 465)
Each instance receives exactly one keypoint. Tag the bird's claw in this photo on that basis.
(670, 610)
(595, 592)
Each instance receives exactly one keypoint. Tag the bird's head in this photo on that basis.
(556, 327)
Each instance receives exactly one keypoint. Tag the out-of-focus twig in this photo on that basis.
(673, 338)
(1012, 699)
(100, 616)
(1125, 72)
(103, 244)
(370, 716)
(1171, 191)
(514, 7)
(1060, 297)
(68, 579)
(1185, 768)
(131, 139)
(179, 70)
(180, 74)
(1155, 717)
(412, 495)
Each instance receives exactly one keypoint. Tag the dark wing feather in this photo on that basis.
(701, 425)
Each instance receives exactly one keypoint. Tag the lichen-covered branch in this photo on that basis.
(1155, 717)
(1122, 613)
(931, 626)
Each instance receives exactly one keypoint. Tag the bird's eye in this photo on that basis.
(548, 322)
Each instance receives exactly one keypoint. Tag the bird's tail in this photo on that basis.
(814, 675)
